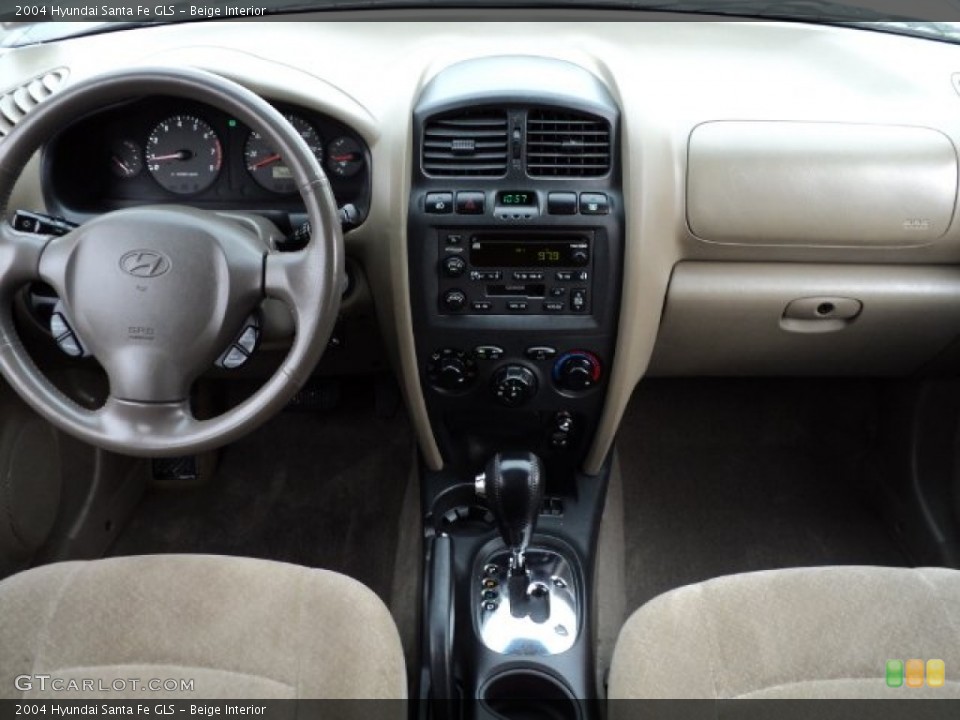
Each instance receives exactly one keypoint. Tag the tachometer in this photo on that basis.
(184, 154)
(265, 164)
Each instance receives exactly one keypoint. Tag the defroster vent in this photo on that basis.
(466, 144)
(562, 143)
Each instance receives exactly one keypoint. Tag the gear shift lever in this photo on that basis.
(513, 487)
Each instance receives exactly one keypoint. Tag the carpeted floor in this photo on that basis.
(728, 476)
(318, 488)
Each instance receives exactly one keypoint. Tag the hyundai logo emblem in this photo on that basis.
(145, 263)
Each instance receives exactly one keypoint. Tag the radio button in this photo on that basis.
(564, 276)
(482, 306)
(454, 300)
(454, 239)
(516, 306)
(439, 203)
(454, 266)
(594, 204)
(581, 275)
(540, 352)
(553, 307)
(486, 275)
(558, 291)
(578, 300)
(562, 203)
(470, 203)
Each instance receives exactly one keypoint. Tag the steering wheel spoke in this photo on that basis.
(149, 425)
(20, 255)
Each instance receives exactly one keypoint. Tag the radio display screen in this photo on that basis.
(532, 253)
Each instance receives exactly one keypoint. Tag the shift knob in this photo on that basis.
(513, 487)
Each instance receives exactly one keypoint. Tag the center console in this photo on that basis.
(515, 245)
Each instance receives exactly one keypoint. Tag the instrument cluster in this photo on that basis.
(165, 150)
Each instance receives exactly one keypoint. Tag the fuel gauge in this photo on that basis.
(126, 160)
(344, 157)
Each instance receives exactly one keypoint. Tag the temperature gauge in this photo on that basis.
(344, 157)
(125, 159)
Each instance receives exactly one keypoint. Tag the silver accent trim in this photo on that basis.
(549, 576)
(480, 485)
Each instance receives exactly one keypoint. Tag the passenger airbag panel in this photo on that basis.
(820, 184)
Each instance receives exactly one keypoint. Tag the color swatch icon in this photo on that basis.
(913, 672)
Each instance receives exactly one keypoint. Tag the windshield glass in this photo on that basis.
(32, 24)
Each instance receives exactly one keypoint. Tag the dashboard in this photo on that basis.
(782, 196)
(168, 150)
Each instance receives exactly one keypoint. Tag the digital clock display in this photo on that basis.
(516, 198)
(530, 252)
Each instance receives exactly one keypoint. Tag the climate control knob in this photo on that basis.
(514, 385)
(453, 300)
(577, 370)
(451, 369)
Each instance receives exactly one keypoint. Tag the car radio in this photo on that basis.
(494, 272)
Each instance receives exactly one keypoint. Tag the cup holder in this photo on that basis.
(457, 512)
(529, 695)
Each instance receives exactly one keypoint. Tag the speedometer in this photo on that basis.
(184, 154)
(265, 164)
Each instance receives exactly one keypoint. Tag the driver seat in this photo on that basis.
(237, 627)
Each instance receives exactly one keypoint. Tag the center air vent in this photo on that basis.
(567, 144)
(472, 143)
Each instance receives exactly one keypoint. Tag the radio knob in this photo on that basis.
(454, 300)
(513, 385)
(453, 266)
(577, 371)
(580, 257)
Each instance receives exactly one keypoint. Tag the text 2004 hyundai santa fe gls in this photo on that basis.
(534, 358)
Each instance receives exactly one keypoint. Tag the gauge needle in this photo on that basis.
(266, 161)
(179, 155)
(347, 157)
(122, 165)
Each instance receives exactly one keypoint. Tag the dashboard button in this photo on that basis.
(234, 358)
(594, 204)
(486, 275)
(562, 203)
(439, 203)
(540, 353)
(248, 340)
(516, 306)
(482, 306)
(454, 239)
(488, 352)
(454, 266)
(454, 300)
(470, 203)
(564, 275)
(578, 300)
(558, 291)
(553, 306)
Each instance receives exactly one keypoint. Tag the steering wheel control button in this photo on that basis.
(439, 203)
(454, 266)
(453, 300)
(594, 204)
(488, 352)
(248, 339)
(451, 369)
(562, 203)
(470, 203)
(234, 358)
(242, 348)
(64, 335)
(577, 371)
(539, 353)
(514, 385)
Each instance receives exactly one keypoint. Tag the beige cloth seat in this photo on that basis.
(801, 633)
(237, 627)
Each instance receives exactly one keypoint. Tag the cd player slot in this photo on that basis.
(526, 291)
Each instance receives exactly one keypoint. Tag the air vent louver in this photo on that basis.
(567, 144)
(471, 144)
(16, 102)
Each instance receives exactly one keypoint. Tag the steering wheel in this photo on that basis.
(157, 293)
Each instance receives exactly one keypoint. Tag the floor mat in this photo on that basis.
(728, 476)
(321, 489)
